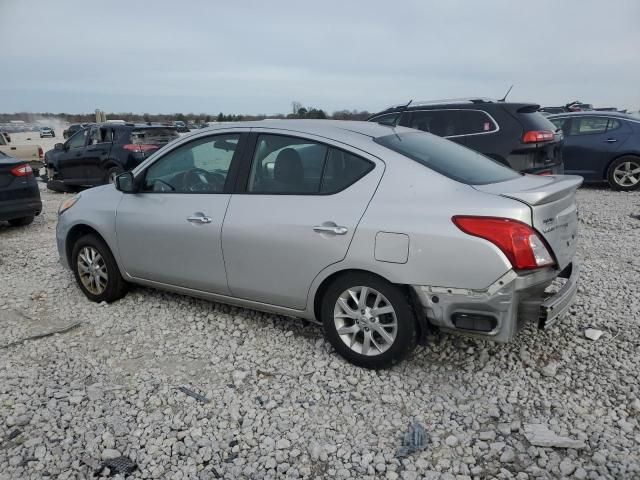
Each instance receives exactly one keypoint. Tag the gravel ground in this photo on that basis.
(282, 404)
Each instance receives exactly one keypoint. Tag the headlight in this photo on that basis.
(67, 204)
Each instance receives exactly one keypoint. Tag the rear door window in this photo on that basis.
(297, 166)
(475, 121)
(448, 158)
(443, 123)
(588, 125)
(613, 124)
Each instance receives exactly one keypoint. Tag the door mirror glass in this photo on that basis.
(125, 182)
(58, 146)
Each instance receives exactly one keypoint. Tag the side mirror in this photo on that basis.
(125, 182)
(58, 146)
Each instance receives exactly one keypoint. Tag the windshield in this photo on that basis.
(448, 158)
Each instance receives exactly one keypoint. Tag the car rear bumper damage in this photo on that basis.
(500, 311)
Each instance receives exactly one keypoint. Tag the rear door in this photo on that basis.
(169, 232)
(590, 144)
(299, 202)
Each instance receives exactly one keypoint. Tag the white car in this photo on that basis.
(47, 132)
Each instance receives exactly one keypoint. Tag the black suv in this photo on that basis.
(514, 134)
(97, 154)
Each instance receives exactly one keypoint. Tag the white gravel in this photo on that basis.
(284, 405)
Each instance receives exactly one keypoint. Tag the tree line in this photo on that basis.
(298, 111)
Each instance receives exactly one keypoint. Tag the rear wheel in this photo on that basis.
(368, 320)
(21, 222)
(112, 173)
(624, 173)
(96, 270)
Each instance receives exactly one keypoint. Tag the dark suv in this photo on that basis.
(514, 134)
(97, 154)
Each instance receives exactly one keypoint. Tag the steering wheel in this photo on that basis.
(196, 180)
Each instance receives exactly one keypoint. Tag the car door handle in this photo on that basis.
(611, 140)
(329, 229)
(199, 219)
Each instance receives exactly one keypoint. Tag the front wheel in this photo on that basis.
(624, 173)
(368, 320)
(96, 270)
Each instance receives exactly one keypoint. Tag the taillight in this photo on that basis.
(21, 170)
(545, 172)
(40, 152)
(537, 136)
(520, 243)
(140, 148)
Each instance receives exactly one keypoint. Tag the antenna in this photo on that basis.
(506, 94)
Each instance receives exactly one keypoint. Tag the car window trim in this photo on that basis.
(461, 120)
(242, 182)
(230, 180)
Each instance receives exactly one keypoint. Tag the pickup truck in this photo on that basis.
(32, 154)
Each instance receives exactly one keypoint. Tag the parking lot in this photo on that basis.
(280, 403)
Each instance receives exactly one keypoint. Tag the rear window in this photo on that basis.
(153, 136)
(450, 159)
(535, 121)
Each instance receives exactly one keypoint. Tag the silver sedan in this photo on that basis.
(378, 233)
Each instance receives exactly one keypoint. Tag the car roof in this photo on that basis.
(470, 101)
(594, 113)
(325, 128)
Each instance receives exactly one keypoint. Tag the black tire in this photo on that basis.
(611, 179)
(406, 335)
(112, 173)
(21, 222)
(59, 186)
(116, 287)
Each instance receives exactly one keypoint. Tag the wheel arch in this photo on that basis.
(318, 294)
(78, 231)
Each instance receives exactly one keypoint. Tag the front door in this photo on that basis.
(97, 154)
(301, 206)
(590, 143)
(71, 165)
(169, 232)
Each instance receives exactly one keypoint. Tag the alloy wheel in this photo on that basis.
(92, 270)
(627, 174)
(112, 177)
(365, 320)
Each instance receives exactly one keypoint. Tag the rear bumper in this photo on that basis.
(12, 209)
(500, 311)
(554, 307)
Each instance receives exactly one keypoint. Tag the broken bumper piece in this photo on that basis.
(500, 310)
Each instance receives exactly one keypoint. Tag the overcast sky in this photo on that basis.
(258, 56)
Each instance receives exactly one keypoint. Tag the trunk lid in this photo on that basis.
(6, 164)
(553, 208)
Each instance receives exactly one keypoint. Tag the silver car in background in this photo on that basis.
(376, 232)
